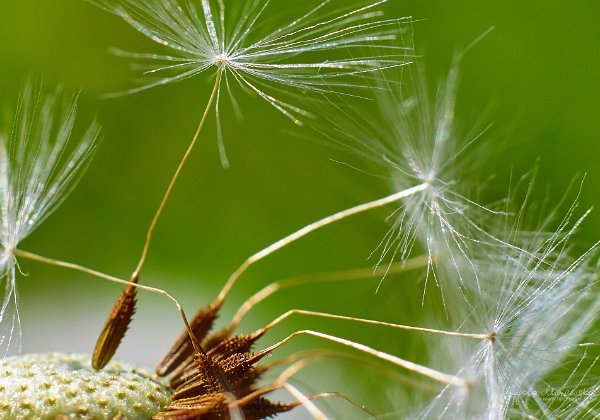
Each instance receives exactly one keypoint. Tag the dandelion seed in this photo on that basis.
(413, 142)
(38, 168)
(232, 39)
(537, 307)
(205, 34)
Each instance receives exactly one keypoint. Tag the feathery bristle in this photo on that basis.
(40, 163)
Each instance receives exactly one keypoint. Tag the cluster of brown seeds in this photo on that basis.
(215, 375)
(219, 380)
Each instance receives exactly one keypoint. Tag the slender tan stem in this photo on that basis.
(259, 392)
(95, 273)
(350, 400)
(314, 354)
(299, 361)
(303, 399)
(425, 371)
(296, 367)
(314, 226)
(372, 322)
(165, 198)
(306, 401)
(347, 275)
(297, 393)
(235, 412)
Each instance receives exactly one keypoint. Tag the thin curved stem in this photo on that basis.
(299, 361)
(335, 276)
(425, 371)
(235, 412)
(297, 366)
(372, 322)
(211, 100)
(302, 399)
(95, 273)
(314, 226)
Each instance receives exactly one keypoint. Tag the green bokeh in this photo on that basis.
(539, 68)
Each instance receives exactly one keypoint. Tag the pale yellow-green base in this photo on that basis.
(46, 386)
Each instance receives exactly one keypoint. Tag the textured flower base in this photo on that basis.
(55, 385)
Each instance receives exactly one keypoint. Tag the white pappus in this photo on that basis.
(39, 165)
(537, 306)
(428, 161)
(327, 46)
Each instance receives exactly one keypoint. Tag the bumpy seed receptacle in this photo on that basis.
(66, 386)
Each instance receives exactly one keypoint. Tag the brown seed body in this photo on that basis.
(217, 407)
(214, 384)
(183, 348)
(115, 328)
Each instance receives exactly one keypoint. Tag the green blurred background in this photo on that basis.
(539, 69)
